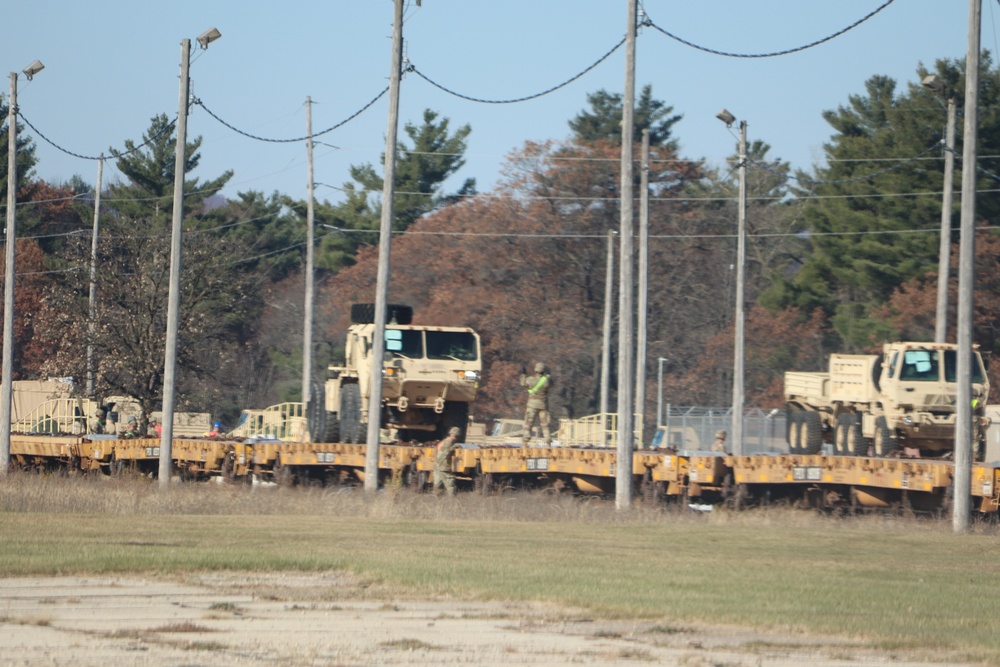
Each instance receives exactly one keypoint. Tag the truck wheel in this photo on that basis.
(793, 424)
(350, 412)
(856, 443)
(331, 430)
(840, 435)
(811, 438)
(364, 313)
(885, 444)
(316, 414)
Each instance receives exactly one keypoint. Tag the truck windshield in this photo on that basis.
(455, 345)
(951, 367)
(920, 366)
(405, 342)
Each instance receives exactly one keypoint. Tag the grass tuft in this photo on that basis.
(408, 645)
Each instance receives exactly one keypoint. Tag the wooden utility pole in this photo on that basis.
(623, 468)
(944, 250)
(609, 281)
(385, 239)
(174, 294)
(640, 346)
(7, 373)
(964, 432)
(307, 327)
(92, 299)
(739, 345)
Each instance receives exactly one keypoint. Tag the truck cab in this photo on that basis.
(430, 376)
(919, 388)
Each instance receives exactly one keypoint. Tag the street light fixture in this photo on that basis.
(934, 84)
(34, 68)
(6, 375)
(737, 426)
(209, 36)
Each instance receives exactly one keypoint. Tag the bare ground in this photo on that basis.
(333, 620)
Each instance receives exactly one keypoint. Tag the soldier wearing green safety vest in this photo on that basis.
(538, 386)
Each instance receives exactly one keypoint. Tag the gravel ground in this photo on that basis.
(330, 620)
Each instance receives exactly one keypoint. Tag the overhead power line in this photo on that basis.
(117, 154)
(772, 54)
(412, 68)
(294, 139)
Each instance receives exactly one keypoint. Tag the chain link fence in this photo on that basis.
(693, 428)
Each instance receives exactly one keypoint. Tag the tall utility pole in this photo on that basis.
(307, 327)
(92, 300)
(966, 277)
(609, 281)
(176, 235)
(174, 293)
(623, 468)
(385, 237)
(741, 260)
(7, 374)
(933, 83)
(640, 347)
(7, 381)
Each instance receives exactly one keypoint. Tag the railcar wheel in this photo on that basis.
(283, 475)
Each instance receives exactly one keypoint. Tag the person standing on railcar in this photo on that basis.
(539, 384)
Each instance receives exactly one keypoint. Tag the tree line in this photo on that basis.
(839, 258)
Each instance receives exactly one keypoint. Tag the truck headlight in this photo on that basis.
(470, 376)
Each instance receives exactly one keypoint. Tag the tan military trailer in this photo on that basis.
(902, 398)
(430, 375)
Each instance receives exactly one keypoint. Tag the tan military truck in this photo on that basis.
(902, 398)
(430, 375)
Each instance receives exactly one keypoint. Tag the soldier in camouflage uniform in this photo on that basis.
(443, 476)
(538, 386)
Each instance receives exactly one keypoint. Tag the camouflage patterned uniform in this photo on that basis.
(443, 476)
(538, 386)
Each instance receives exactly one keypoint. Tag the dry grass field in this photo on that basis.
(766, 587)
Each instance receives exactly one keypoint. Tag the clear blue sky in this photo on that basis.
(113, 64)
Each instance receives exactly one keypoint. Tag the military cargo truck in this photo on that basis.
(430, 375)
(902, 398)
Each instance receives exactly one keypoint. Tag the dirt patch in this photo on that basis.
(332, 619)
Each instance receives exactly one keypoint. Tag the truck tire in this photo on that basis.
(856, 443)
(884, 443)
(316, 414)
(350, 413)
(364, 313)
(840, 447)
(793, 425)
(811, 438)
(331, 428)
